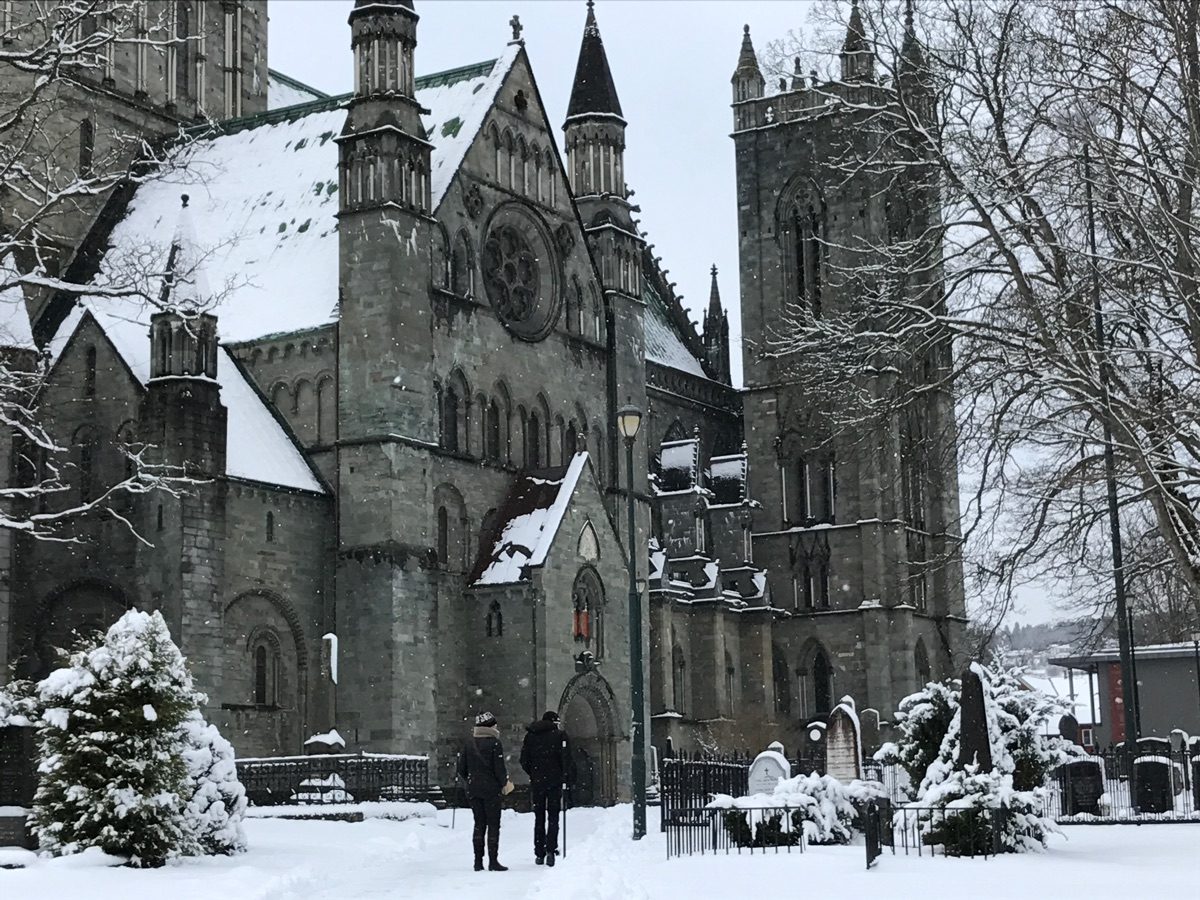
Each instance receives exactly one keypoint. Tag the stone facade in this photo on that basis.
(451, 490)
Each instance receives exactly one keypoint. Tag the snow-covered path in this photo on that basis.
(384, 860)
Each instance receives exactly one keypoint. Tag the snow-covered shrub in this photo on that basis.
(817, 806)
(217, 803)
(18, 706)
(112, 771)
(1022, 759)
(922, 720)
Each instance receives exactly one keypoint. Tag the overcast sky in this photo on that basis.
(671, 61)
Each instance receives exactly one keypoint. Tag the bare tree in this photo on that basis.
(57, 169)
(1061, 143)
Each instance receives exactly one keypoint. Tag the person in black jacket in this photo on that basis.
(546, 758)
(481, 768)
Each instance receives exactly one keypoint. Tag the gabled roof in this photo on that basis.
(527, 524)
(257, 447)
(263, 196)
(283, 91)
(15, 328)
(670, 339)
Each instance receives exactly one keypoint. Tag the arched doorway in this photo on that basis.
(80, 610)
(588, 711)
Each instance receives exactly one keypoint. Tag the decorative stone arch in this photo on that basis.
(264, 636)
(441, 255)
(36, 656)
(281, 396)
(326, 408)
(588, 602)
(288, 611)
(462, 265)
(591, 719)
(451, 527)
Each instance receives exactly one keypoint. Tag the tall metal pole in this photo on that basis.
(636, 690)
(1110, 476)
(1196, 650)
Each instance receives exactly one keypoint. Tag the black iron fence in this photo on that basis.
(767, 830)
(1165, 786)
(933, 830)
(334, 778)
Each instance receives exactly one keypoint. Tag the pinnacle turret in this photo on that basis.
(593, 91)
(716, 334)
(858, 59)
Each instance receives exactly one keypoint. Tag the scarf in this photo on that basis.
(480, 731)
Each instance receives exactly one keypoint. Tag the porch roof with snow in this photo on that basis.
(527, 524)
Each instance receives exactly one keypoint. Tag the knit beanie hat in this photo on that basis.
(549, 716)
(485, 720)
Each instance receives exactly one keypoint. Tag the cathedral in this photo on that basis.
(391, 333)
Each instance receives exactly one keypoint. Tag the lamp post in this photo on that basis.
(1196, 651)
(629, 420)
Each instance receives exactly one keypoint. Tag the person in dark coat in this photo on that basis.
(481, 767)
(546, 758)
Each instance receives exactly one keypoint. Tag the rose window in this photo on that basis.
(511, 269)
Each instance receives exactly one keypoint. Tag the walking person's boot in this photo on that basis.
(550, 858)
(478, 841)
(494, 854)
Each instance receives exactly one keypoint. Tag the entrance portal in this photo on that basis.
(589, 718)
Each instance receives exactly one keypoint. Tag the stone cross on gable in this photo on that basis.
(517, 27)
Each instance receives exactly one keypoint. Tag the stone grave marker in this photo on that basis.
(1154, 794)
(843, 743)
(1083, 785)
(974, 745)
(868, 721)
(1068, 728)
(766, 770)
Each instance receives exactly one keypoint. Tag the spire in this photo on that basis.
(912, 57)
(858, 60)
(184, 284)
(593, 90)
(747, 63)
(714, 296)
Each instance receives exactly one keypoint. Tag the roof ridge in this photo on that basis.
(449, 76)
(296, 83)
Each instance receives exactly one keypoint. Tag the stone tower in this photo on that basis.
(183, 418)
(386, 405)
(850, 523)
(595, 150)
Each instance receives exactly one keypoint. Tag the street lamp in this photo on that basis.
(629, 420)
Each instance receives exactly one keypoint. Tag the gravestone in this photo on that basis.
(974, 748)
(1083, 786)
(1068, 728)
(323, 744)
(843, 743)
(766, 770)
(1153, 746)
(868, 721)
(1154, 794)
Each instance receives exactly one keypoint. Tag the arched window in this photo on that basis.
(450, 417)
(443, 535)
(260, 674)
(781, 681)
(678, 680)
(921, 658)
(89, 373)
(571, 442)
(326, 411)
(495, 620)
(493, 430)
(85, 443)
(809, 233)
(462, 266)
(533, 442)
(731, 697)
(270, 527)
(87, 147)
(822, 684)
(587, 624)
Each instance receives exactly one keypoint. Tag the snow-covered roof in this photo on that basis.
(263, 199)
(528, 522)
(257, 447)
(283, 90)
(679, 465)
(15, 330)
(663, 343)
(727, 478)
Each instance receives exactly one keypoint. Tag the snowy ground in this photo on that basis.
(383, 859)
